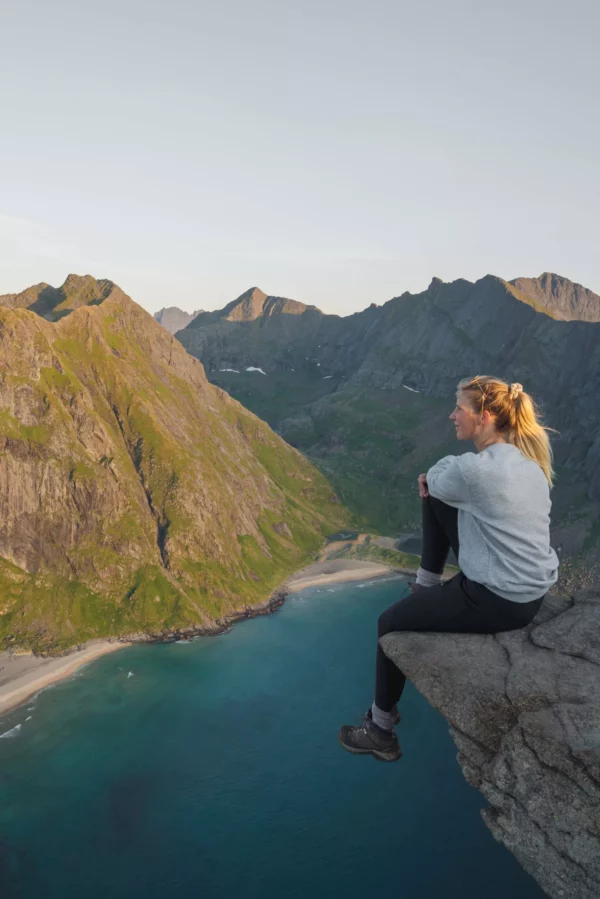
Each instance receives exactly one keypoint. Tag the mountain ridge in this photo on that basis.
(565, 299)
(53, 303)
(338, 389)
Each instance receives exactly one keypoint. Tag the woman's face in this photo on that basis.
(466, 421)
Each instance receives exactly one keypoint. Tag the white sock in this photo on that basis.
(381, 719)
(428, 578)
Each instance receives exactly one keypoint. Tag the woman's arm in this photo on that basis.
(445, 481)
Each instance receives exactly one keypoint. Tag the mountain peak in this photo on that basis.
(254, 303)
(558, 296)
(248, 306)
(175, 319)
(53, 303)
(252, 293)
(75, 282)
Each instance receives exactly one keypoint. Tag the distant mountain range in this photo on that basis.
(367, 396)
(174, 319)
(134, 495)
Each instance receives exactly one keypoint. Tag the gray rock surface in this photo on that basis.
(524, 712)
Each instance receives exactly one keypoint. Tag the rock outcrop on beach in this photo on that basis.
(135, 495)
(524, 712)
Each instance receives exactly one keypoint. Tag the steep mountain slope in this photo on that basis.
(560, 297)
(384, 372)
(134, 495)
(174, 319)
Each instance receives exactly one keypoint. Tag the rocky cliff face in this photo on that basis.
(560, 297)
(524, 712)
(367, 396)
(53, 303)
(134, 495)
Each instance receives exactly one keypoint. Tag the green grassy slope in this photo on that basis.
(370, 443)
(165, 503)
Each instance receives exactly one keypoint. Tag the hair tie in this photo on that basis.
(515, 390)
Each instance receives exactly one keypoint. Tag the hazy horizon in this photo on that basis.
(332, 153)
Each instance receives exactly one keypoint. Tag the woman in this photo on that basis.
(493, 508)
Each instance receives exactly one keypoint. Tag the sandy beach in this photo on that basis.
(23, 675)
(337, 571)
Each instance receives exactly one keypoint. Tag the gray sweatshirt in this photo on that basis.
(503, 503)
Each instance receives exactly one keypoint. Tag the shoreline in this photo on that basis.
(337, 571)
(24, 675)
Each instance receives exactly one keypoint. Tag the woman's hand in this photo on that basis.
(423, 491)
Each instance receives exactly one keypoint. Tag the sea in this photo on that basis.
(211, 769)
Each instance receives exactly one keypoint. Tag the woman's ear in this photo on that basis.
(486, 417)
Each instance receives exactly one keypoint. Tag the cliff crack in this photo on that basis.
(135, 454)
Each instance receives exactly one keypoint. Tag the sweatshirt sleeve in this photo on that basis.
(446, 481)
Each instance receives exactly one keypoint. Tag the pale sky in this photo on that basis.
(336, 152)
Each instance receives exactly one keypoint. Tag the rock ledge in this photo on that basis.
(524, 712)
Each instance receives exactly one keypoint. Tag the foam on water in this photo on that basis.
(13, 732)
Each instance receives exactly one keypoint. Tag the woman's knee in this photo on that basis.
(389, 621)
(383, 623)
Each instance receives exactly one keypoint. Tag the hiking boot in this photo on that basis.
(368, 739)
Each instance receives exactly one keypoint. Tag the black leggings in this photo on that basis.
(459, 606)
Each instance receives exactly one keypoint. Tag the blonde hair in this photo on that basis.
(515, 414)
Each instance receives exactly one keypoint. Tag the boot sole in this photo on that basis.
(380, 755)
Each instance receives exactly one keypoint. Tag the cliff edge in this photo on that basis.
(524, 712)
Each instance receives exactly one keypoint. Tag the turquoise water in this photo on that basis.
(214, 771)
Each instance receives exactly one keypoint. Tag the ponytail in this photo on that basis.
(515, 415)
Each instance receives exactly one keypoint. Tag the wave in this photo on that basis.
(12, 732)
